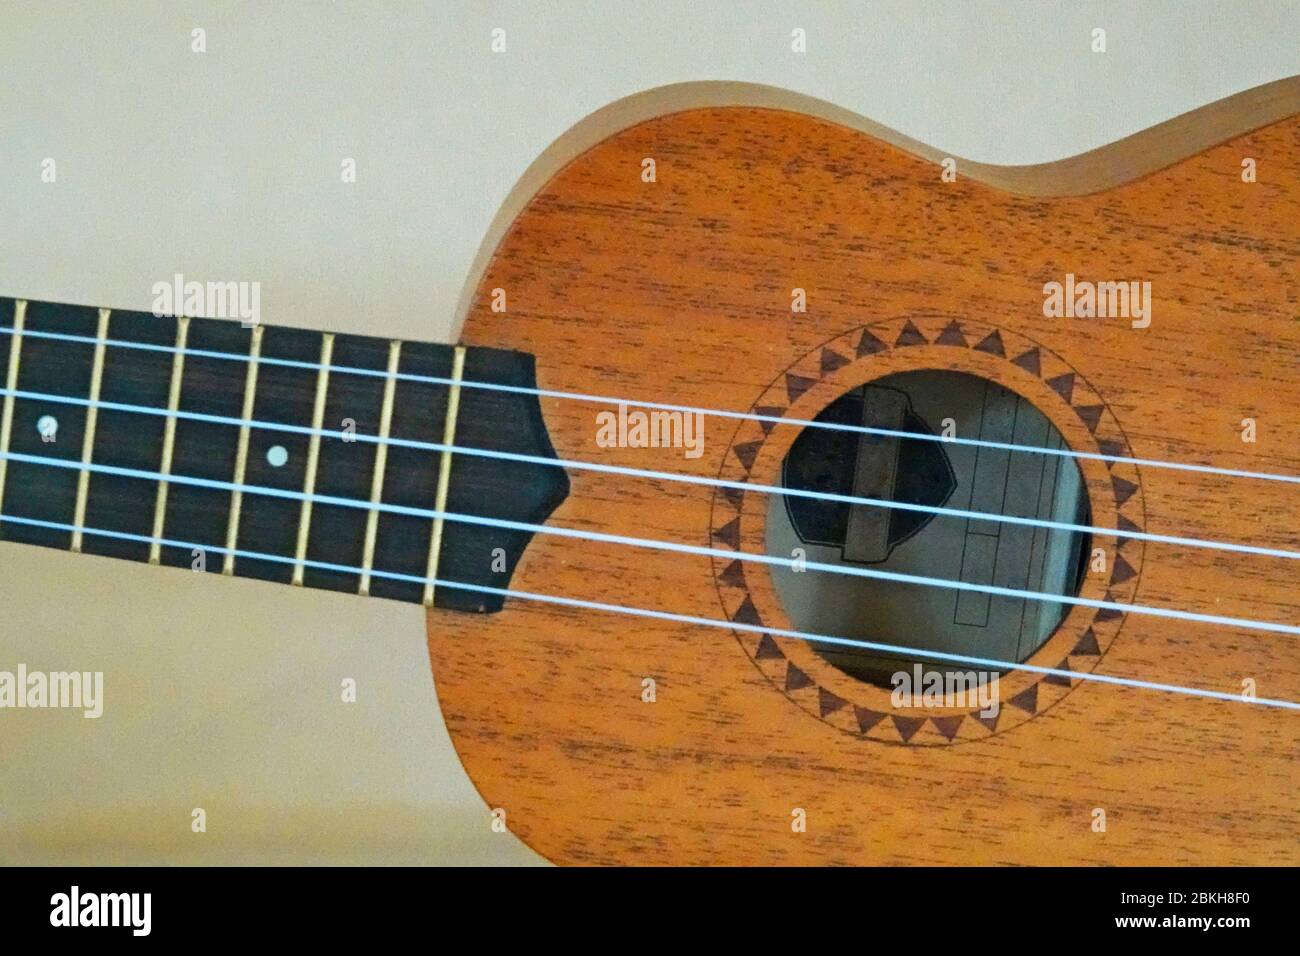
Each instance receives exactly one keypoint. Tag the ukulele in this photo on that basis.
(797, 494)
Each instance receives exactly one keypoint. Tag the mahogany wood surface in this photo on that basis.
(679, 290)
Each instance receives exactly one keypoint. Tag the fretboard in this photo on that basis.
(275, 453)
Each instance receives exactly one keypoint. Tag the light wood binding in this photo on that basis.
(679, 291)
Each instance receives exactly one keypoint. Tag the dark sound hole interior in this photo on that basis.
(929, 474)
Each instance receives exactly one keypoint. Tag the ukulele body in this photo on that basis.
(758, 751)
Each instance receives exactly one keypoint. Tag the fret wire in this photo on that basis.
(241, 456)
(169, 437)
(313, 456)
(444, 471)
(11, 385)
(381, 460)
(92, 416)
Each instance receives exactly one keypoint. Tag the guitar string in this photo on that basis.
(685, 409)
(673, 617)
(626, 471)
(656, 544)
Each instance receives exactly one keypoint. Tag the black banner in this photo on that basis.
(653, 906)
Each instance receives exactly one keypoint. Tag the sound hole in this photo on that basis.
(933, 474)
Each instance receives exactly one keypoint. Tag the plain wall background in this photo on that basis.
(225, 165)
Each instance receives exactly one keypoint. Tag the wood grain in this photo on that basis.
(679, 290)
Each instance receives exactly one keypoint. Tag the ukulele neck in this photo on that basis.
(274, 453)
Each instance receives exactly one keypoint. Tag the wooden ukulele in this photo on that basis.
(797, 495)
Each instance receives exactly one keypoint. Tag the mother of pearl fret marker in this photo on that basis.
(94, 358)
